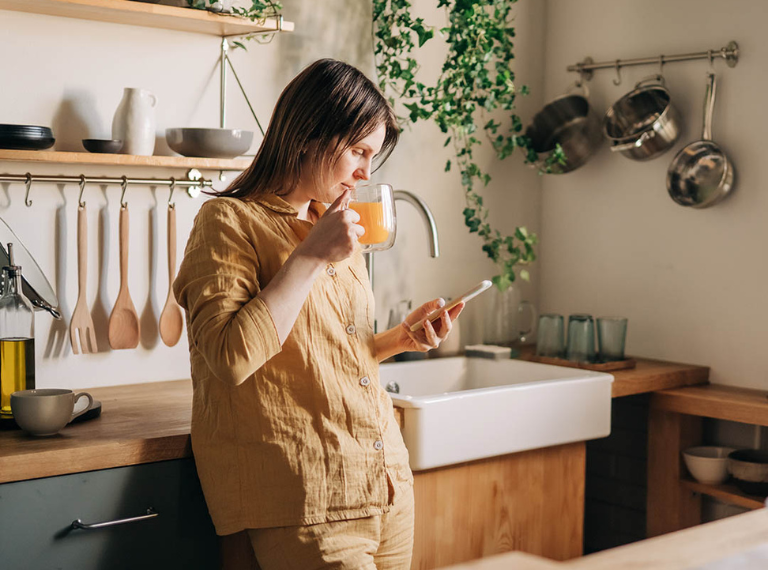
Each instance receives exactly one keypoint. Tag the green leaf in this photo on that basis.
(524, 275)
(447, 166)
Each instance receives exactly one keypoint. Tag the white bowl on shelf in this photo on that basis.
(708, 463)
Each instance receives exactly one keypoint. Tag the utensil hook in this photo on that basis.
(617, 81)
(28, 184)
(711, 58)
(80, 203)
(661, 65)
(172, 205)
(123, 186)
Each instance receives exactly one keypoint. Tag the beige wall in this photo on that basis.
(691, 282)
(70, 74)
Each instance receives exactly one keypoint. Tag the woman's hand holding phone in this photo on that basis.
(431, 334)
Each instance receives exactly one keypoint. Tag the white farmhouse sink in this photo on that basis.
(461, 409)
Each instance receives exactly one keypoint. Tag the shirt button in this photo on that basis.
(331, 271)
(351, 329)
(378, 445)
(364, 381)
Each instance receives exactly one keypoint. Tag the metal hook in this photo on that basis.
(172, 205)
(711, 58)
(617, 81)
(80, 202)
(123, 186)
(661, 65)
(28, 184)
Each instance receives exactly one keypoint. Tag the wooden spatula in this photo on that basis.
(82, 323)
(123, 322)
(171, 319)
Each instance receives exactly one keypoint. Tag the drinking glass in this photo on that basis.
(581, 338)
(611, 336)
(550, 340)
(376, 205)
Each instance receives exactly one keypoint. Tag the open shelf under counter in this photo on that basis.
(59, 157)
(727, 493)
(148, 15)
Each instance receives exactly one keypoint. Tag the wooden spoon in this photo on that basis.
(171, 319)
(123, 322)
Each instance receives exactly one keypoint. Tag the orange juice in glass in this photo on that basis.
(376, 205)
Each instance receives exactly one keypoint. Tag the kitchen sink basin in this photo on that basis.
(461, 409)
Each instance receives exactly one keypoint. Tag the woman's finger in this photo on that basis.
(432, 340)
(445, 326)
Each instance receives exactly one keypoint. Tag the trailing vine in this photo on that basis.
(475, 80)
(259, 10)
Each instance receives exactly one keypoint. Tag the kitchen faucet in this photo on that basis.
(429, 220)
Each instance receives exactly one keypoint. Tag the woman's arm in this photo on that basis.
(401, 339)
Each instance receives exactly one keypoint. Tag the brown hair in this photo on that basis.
(327, 108)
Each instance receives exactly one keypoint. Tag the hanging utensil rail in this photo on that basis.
(194, 182)
(730, 54)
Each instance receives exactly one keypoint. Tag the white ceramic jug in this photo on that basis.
(134, 122)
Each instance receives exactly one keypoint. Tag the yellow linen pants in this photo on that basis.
(383, 542)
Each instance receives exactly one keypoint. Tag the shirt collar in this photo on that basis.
(277, 204)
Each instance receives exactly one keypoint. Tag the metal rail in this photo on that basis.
(729, 53)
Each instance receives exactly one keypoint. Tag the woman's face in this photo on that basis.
(353, 166)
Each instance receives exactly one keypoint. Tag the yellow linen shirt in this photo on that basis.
(293, 435)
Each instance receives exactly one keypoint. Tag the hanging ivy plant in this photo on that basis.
(475, 81)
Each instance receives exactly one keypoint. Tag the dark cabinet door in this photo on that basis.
(36, 520)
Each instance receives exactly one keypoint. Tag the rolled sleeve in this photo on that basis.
(217, 285)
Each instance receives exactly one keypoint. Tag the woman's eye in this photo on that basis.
(357, 152)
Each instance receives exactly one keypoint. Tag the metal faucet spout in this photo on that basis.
(429, 221)
(426, 214)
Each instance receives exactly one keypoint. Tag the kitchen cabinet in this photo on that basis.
(675, 423)
(36, 517)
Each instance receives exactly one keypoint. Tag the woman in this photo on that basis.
(293, 437)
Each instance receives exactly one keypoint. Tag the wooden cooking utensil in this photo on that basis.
(171, 319)
(82, 324)
(123, 322)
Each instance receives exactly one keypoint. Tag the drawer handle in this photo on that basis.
(92, 526)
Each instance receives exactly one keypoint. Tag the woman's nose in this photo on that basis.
(364, 172)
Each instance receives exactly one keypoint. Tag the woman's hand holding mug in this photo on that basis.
(335, 234)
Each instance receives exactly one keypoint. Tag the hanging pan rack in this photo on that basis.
(729, 53)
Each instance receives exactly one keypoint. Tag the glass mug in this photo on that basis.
(376, 205)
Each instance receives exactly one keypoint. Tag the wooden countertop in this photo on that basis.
(139, 423)
(683, 550)
(142, 423)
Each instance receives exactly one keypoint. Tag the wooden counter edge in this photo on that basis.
(653, 375)
(732, 403)
(50, 463)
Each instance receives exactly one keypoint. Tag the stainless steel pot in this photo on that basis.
(570, 122)
(643, 124)
(701, 174)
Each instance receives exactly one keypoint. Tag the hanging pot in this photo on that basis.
(570, 122)
(643, 124)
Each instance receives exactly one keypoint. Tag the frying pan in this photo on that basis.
(701, 175)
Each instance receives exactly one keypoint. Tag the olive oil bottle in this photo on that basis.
(17, 338)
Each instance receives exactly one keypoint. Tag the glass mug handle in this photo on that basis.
(523, 335)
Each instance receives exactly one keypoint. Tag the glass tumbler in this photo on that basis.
(550, 339)
(581, 338)
(376, 205)
(611, 336)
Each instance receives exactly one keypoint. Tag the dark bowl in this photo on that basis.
(749, 468)
(108, 146)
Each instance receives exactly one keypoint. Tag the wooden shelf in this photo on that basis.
(731, 403)
(123, 159)
(726, 493)
(148, 15)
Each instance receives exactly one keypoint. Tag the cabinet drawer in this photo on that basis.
(36, 520)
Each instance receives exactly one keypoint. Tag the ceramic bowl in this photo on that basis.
(209, 143)
(708, 464)
(107, 146)
(749, 468)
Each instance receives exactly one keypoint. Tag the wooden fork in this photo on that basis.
(82, 323)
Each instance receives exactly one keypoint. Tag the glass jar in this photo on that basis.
(17, 338)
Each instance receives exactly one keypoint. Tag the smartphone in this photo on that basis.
(471, 294)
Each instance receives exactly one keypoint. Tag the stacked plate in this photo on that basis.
(26, 137)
